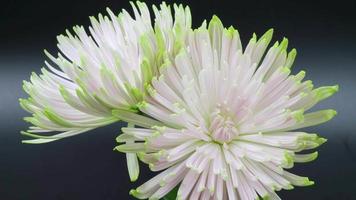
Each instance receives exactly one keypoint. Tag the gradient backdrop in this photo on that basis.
(85, 167)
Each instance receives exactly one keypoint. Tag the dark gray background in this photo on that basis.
(85, 167)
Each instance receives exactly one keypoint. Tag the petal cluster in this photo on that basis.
(100, 69)
(222, 121)
(218, 120)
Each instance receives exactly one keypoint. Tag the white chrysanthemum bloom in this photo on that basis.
(101, 71)
(222, 119)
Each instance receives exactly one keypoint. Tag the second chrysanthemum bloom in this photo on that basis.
(222, 119)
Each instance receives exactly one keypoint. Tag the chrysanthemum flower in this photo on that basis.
(221, 120)
(101, 71)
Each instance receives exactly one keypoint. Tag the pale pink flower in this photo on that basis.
(102, 68)
(221, 120)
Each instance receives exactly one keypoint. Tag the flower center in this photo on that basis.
(222, 128)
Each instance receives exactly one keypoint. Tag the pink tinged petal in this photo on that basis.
(285, 184)
(158, 161)
(236, 150)
(200, 166)
(161, 114)
(267, 62)
(271, 110)
(259, 188)
(195, 194)
(206, 150)
(277, 155)
(191, 98)
(187, 184)
(244, 64)
(297, 180)
(219, 164)
(164, 90)
(163, 164)
(182, 150)
(67, 70)
(283, 139)
(230, 189)
(196, 132)
(234, 177)
(150, 187)
(170, 181)
(220, 187)
(276, 168)
(211, 179)
(282, 89)
(184, 65)
(206, 195)
(232, 160)
(279, 179)
(173, 79)
(173, 134)
(272, 195)
(294, 101)
(259, 173)
(248, 174)
(270, 124)
(163, 101)
(235, 43)
(139, 133)
(225, 49)
(163, 143)
(244, 191)
(251, 151)
(162, 139)
(113, 88)
(251, 84)
(314, 118)
(194, 158)
(200, 186)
